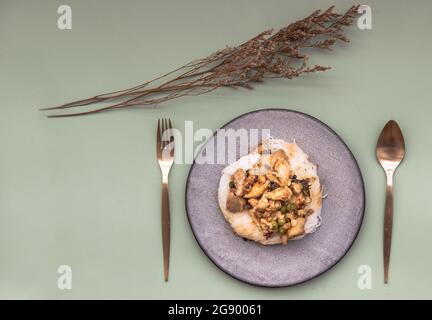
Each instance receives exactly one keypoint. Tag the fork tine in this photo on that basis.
(171, 137)
(158, 144)
(164, 133)
(168, 132)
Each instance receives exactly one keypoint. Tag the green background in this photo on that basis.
(85, 191)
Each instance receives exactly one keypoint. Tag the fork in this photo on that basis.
(165, 156)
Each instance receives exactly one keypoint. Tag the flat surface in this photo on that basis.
(85, 192)
(298, 261)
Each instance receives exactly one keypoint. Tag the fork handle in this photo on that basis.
(388, 225)
(165, 229)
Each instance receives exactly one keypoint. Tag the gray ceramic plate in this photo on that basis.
(301, 260)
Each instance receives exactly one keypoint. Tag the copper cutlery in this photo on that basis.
(390, 151)
(165, 156)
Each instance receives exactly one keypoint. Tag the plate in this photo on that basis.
(300, 260)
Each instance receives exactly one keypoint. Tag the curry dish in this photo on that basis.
(272, 195)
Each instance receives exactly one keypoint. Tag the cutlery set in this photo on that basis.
(390, 151)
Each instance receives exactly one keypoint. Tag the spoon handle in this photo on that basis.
(388, 225)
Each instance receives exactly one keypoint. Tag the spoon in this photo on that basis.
(390, 151)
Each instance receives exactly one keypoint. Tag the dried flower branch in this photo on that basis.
(267, 55)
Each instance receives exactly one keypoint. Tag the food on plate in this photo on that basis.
(272, 195)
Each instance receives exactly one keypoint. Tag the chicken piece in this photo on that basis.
(287, 225)
(253, 202)
(273, 177)
(257, 190)
(277, 155)
(278, 179)
(265, 224)
(266, 215)
(283, 170)
(297, 187)
(298, 229)
(249, 181)
(250, 178)
(300, 200)
(234, 203)
(262, 179)
(290, 216)
(239, 178)
(274, 205)
(282, 193)
(260, 205)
